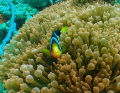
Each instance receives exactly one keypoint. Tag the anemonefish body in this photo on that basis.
(55, 47)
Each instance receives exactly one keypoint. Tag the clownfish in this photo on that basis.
(55, 47)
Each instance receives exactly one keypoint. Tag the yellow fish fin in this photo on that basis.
(64, 29)
(46, 52)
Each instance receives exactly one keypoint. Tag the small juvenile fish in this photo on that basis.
(55, 47)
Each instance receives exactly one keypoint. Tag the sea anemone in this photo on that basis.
(91, 63)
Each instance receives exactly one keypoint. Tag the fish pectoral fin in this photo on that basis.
(46, 52)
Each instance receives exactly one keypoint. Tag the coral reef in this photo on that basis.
(91, 64)
(2, 90)
(2, 19)
(12, 28)
(20, 11)
(30, 7)
(39, 4)
(3, 28)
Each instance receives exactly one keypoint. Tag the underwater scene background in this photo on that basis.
(59, 46)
